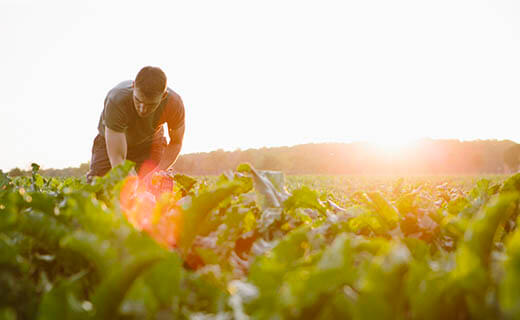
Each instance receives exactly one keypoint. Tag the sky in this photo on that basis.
(260, 73)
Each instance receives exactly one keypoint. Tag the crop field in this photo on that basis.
(253, 244)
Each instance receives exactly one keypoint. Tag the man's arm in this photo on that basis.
(116, 146)
(171, 153)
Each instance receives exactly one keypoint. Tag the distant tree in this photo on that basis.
(428, 156)
(16, 172)
(477, 162)
(83, 168)
(512, 157)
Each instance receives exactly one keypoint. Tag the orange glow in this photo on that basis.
(151, 205)
(393, 144)
(147, 167)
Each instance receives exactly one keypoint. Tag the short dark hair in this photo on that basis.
(151, 81)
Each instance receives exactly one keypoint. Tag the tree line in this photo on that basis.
(426, 156)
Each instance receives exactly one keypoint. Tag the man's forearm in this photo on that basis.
(116, 147)
(170, 155)
(115, 159)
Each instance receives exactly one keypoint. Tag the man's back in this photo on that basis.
(119, 114)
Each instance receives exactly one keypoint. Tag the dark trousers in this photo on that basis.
(149, 153)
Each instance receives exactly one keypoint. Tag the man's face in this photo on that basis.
(145, 105)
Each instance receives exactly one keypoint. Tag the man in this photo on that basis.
(131, 125)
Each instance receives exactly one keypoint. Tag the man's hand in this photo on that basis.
(133, 172)
(147, 179)
(158, 182)
(171, 153)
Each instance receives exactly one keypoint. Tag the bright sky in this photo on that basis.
(261, 73)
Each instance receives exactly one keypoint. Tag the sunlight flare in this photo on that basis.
(151, 206)
(393, 143)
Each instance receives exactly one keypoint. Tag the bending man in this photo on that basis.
(131, 125)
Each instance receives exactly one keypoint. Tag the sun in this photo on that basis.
(393, 143)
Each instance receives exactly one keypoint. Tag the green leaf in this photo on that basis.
(44, 228)
(4, 184)
(456, 206)
(165, 278)
(387, 212)
(308, 285)
(267, 194)
(186, 182)
(406, 203)
(99, 252)
(109, 185)
(480, 233)
(277, 178)
(364, 221)
(244, 168)
(382, 277)
(473, 254)
(62, 301)
(195, 213)
(140, 301)
(304, 198)
(208, 256)
(110, 293)
(512, 184)
(509, 297)
(429, 285)
(7, 313)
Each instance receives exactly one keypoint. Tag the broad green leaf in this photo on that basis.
(387, 211)
(99, 252)
(63, 302)
(509, 284)
(186, 182)
(164, 278)
(512, 184)
(195, 213)
(267, 194)
(47, 230)
(110, 293)
(480, 233)
(7, 313)
(139, 301)
(304, 198)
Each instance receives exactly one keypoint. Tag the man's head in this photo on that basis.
(149, 90)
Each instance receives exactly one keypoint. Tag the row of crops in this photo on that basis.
(241, 246)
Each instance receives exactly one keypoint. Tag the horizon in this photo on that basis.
(387, 149)
(255, 75)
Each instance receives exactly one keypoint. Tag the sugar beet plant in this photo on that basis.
(243, 247)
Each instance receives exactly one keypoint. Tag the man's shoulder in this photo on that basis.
(173, 112)
(173, 94)
(121, 93)
(174, 99)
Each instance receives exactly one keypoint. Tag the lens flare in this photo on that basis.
(150, 204)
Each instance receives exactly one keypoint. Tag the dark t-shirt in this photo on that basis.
(119, 114)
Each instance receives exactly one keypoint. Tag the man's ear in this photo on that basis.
(133, 84)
